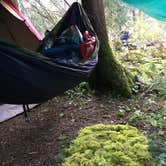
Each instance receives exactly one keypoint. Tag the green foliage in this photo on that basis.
(62, 137)
(80, 96)
(84, 88)
(148, 64)
(143, 33)
(159, 83)
(121, 113)
(157, 146)
(137, 115)
(158, 119)
(109, 145)
(116, 15)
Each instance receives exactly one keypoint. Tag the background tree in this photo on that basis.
(117, 16)
(109, 73)
(43, 14)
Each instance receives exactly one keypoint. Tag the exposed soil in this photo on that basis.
(54, 124)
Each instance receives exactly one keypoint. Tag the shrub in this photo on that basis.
(109, 145)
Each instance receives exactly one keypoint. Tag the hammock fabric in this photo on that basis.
(29, 77)
(154, 8)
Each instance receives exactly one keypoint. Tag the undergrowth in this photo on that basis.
(109, 145)
(147, 110)
(150, 67)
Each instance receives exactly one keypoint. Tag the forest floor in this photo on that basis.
(55, 123)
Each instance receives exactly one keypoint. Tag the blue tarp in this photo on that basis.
(154, 8)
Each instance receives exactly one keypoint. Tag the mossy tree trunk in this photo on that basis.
(109, 74)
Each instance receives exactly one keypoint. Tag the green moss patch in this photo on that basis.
(109, 145)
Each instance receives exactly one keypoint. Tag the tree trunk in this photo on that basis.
(109, 74)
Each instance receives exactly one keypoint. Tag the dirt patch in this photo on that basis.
(54, 124)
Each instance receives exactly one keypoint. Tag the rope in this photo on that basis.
(67, 3)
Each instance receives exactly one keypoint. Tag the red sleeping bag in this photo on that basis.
(87, 46)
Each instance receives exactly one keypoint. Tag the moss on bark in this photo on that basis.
(110, 74)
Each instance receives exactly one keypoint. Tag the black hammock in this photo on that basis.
(30, 77)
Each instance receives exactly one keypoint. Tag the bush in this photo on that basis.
(109, 145)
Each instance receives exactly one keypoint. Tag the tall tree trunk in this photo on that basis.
(109, 74)
(134, 15)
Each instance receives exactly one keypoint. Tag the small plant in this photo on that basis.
(137, 115)
(80, 95)
(62, 137)
(157, 146)
(121, 113)
(157, 119)
(109, 145)
(84, 88)
(160, 83)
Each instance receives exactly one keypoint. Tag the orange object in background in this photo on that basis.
(87, 46)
